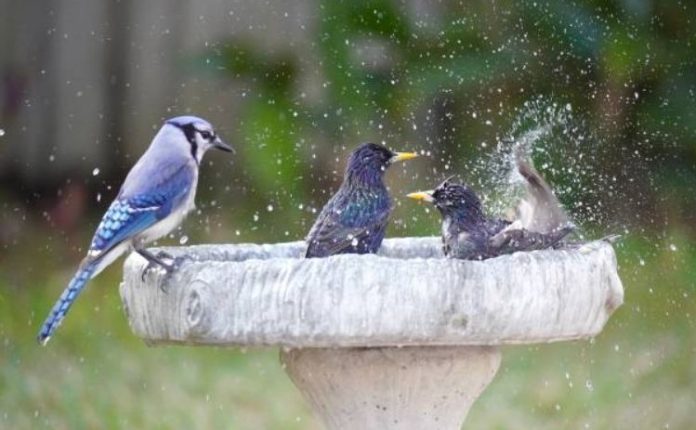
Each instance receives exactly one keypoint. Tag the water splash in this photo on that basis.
(593, 178)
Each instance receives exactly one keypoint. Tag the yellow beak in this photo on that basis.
(402, 156)
(424, 196)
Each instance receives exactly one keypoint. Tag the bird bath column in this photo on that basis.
(411, 387)
(401, 340)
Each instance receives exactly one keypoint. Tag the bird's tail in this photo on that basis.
(60, 309)
(540, 210)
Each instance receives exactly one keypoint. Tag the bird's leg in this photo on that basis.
(154, 260)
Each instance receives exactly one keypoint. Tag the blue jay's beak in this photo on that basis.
(219, 144)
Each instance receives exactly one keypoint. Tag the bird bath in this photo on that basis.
(401, 340)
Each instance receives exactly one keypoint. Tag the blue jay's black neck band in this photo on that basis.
(190, 133)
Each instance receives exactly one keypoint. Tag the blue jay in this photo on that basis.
(156, 196)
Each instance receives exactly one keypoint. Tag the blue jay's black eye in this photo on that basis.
(206, 135)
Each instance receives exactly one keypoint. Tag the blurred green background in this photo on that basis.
(294, 87)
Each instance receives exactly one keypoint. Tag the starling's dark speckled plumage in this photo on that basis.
(355, 218)
(468, 234)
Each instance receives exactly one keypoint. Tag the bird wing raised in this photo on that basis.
(539, 210)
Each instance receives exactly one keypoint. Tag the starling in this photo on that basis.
(540, 221)
(355, 218)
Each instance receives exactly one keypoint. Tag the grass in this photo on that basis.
(638, 374)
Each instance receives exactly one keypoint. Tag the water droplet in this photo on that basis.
(2, 132)
(183, 239)
(672, 247)
(269, 208)
(95, 172)
(589, 386)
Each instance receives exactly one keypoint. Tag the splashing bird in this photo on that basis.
(467, 233)
(156, 196)
(355, 218)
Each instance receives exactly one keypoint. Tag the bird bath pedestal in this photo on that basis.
(401, 340)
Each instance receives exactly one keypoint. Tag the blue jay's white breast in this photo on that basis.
(173, 220)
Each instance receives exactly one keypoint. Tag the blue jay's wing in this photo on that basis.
(124, 219)
(129, 215)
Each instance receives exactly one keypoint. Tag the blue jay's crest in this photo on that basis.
(200, 135)
(181, 121)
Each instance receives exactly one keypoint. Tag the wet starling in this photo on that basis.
(355, 218)
(468, 234)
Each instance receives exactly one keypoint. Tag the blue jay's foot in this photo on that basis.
(170, 269)
(157, 261)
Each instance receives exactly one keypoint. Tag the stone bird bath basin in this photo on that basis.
(401, 340)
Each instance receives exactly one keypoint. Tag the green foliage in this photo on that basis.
(456, 76)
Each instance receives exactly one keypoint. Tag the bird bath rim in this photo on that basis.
(265, 295)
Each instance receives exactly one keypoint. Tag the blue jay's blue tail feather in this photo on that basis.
(66, 300)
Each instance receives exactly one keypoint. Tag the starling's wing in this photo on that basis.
(332, 235)
(513, 240)
(539, 211)
(472, 244)
(494, 226)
